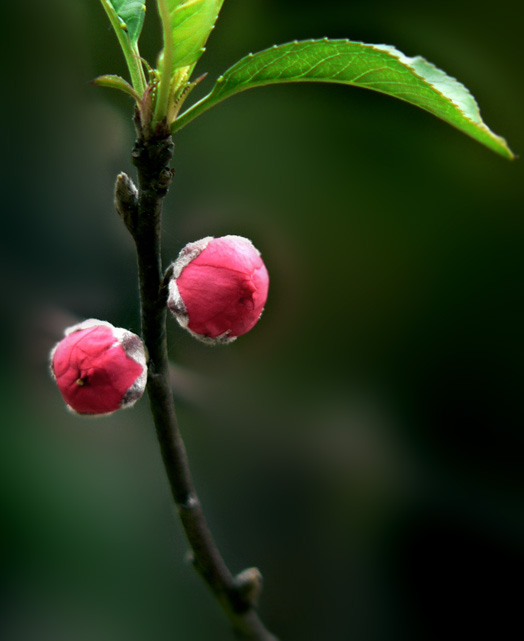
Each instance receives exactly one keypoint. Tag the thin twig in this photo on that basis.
(237, 595)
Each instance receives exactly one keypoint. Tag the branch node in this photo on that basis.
(164, 180)
(190, 502)
(249, 584)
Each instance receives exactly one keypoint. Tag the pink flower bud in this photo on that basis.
(219, 288)
(99, 368)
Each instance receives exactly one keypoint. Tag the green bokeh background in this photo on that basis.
(363, 445)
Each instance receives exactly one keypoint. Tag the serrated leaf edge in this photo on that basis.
(413, 65)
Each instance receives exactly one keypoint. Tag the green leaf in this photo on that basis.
(116, 82)
(381, 68)
(127, 18)
(191, 22)
(131, 14)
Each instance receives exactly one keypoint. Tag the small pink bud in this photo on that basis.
(99, 368)
(219, 288)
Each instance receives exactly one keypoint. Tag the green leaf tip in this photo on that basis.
(381, 68)
(458, 95)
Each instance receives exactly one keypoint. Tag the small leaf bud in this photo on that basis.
(99, 368)
(219, 288)
(126, 200)
(249, 584)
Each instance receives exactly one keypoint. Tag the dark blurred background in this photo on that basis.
(363, 445)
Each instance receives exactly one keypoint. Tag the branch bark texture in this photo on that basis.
(141, 211)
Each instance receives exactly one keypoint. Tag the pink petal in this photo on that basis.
(224, 288)
(92, 370)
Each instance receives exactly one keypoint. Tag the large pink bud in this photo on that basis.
(219, 288)
(99, 368)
